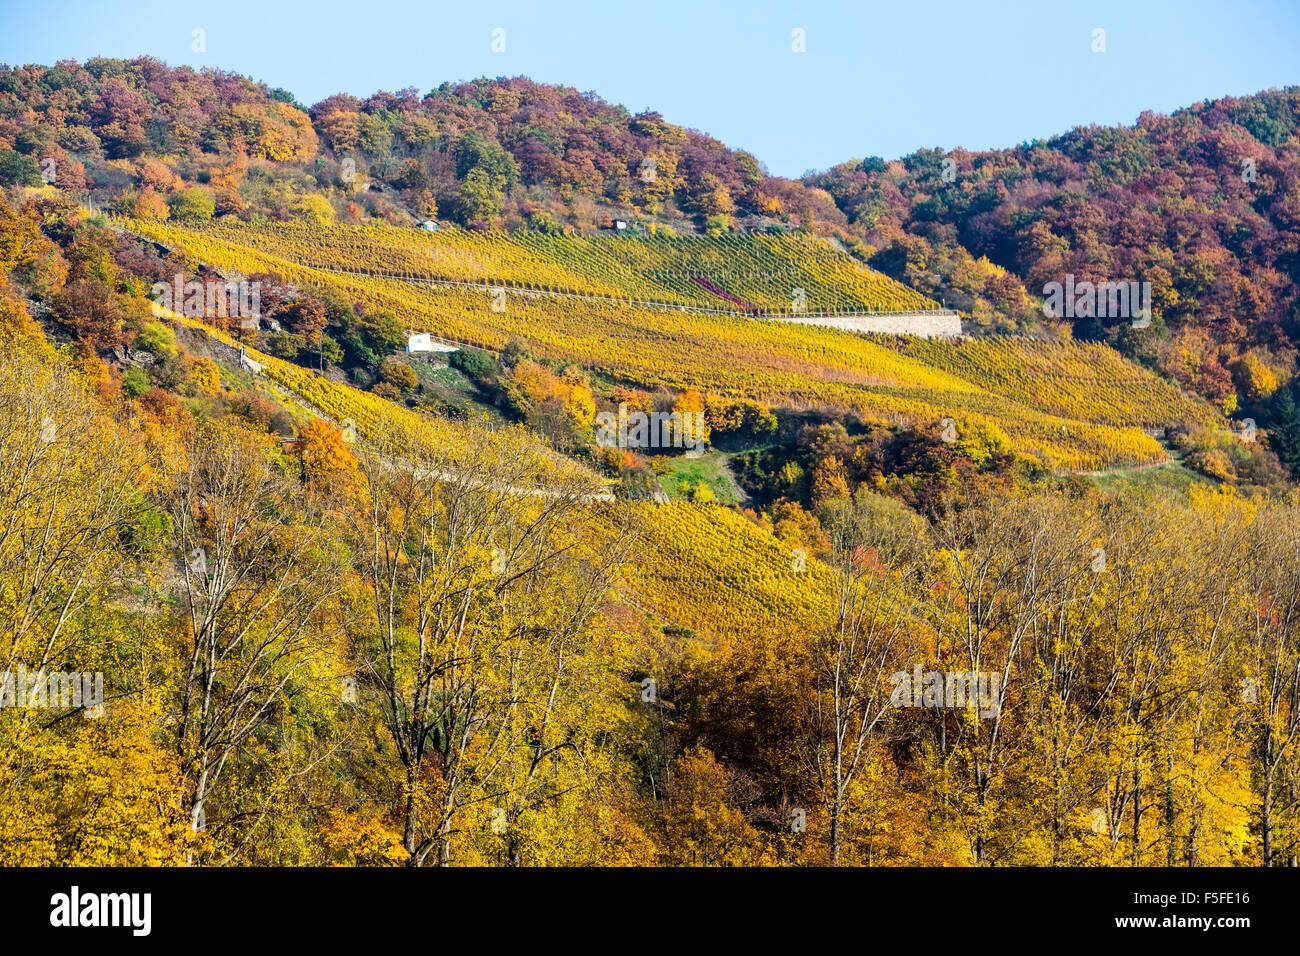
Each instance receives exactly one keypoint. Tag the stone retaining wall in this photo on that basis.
(925, 324)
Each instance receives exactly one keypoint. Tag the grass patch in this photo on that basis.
(1172, 477)
(681, 476)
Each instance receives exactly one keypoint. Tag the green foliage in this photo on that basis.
(135, 383)
(18, 170)
(158, 340)
(330, 350)
(698, 479)
(384, 333)
(1284, 429)
(477, 365)
(479, 199)
(717, 225)
(474, 151)
(195, 204)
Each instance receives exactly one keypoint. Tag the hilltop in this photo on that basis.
(505, 152)
(1203, 203)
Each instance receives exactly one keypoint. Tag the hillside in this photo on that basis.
(259, 185)
(1204, 204)
(632, 565)
(353, 611)
(1091, 420)
(757, 273)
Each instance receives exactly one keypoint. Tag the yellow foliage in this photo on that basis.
(205, 376)
(92, 793)
(315, 208)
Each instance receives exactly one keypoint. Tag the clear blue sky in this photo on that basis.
(876, 78)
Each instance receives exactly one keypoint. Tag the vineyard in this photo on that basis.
(1084, 380)
(697, 562)
(1071, 406)
(756, 274)
(338, 538)
(714, 568)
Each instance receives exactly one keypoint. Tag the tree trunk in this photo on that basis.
(1266, 812)
(1137, 813)
(408, 834)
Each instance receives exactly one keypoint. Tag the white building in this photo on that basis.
(423, 342)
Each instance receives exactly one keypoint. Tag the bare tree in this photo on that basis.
(999, 573)
(866, 640)
(1271, 687)
(258, 577)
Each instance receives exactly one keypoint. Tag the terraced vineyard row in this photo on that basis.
(1084, 380)
(731, 274)
(708, 568)
(757, 271)
(1085, 422)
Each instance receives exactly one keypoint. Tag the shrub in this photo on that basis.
(401, 376)
(477, 365)
(135, 383)
(158, 341)
(313, 208)
(195, 204)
